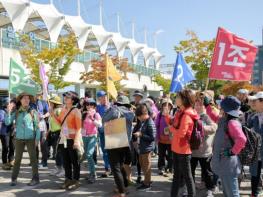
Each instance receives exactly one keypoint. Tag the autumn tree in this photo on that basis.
(59, 57)
(98, 72)
(231, 88)
(198, 54)
(164, 83)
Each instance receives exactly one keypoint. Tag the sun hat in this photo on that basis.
(259, 95)
(123, 100)
(56, 100)
(231, 105)
(167, 100)
(20, 96)
(138, 93)
(243, 91)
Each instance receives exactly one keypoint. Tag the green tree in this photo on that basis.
(59, 57)
(164, 83)
(198, 54)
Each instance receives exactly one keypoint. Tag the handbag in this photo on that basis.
(116, 134)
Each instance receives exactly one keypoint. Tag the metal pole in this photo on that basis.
(133, 30)
(101, 13)
(145, 35)
(155, 40)
(78, 1)
(118, 23)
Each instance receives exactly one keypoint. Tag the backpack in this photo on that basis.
(251, 152)
(198, 135)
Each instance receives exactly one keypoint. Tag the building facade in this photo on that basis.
(257, 76)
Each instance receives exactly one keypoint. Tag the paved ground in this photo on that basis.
(49, 185)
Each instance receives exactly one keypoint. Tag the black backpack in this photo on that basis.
(251, 152)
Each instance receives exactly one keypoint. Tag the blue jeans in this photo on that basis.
(89, 146)
(104, 151)
(230, 186)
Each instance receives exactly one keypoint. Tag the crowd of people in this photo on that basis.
(196, 128)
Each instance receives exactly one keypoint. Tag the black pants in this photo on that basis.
(182, 175)
(206, 170)
(116, 159)
(70, 161)
(95, 156)
(165, 153)
(138, 165)
(44, 148)
(52, 141)
(255, 180)
(8, 147)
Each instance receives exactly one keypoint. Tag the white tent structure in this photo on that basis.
(23, 14)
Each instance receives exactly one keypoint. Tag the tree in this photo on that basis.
(231, 88)
(164, 83)
(198, 54)
(98, 72)
(59, 57)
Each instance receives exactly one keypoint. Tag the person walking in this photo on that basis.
(181, 127)
(228, 142)
(163, 140)
(27, 134)
(91, 122)
(7, 136)
(54, 136)
(70, 120)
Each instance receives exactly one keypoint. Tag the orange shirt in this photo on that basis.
(72, 124)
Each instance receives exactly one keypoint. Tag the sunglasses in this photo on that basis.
(90, 104)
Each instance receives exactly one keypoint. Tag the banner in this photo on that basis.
(44, 79)
(182, 74)
(233, 57)
(20, 81)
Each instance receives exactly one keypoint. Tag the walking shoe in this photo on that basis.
(12, 163)
(74, 185)
(144, 187)
(6, 166)
(139, 180)
(13, 182)
(92, 179)
(61, 173)
(131, 183)
(106, 174)
(209, 193)
(160, 172)
(42, 167)
(66, 183)
(54, 171)
(33, 182)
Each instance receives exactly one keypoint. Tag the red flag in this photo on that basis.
(233, 57)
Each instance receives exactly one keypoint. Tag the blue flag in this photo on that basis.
(182, 74)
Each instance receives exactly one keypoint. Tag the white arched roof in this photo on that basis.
(80, 28)
(20, 11)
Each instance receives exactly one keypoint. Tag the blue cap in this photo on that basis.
(101, 93)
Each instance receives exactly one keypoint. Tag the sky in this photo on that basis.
(174, 17)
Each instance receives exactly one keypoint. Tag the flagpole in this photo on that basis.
(107, 76)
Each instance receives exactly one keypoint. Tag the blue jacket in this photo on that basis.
(3, 127)
(148, 130)
(26, 127)
(255, 125)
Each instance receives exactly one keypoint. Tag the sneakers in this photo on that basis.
(91, 178)
(209, 193)
(106, 174)
(139, 180)
(6, 166)
(61, 173)
(144, 187)
(43, 167)
(33, 182)
(13, 182)
(160, 172)
(54, 171)
(73, 185)
(66, 183)
(12, 163)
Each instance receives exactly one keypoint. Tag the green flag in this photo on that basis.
(20, 81)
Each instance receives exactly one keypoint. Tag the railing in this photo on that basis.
(12, 40)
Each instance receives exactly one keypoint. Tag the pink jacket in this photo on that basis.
(236, 133)
(213, 113)
(90, 125)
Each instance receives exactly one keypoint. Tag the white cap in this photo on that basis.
(243, 91)
(259, 95)
(252, 98)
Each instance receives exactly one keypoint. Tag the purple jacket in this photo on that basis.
(160, 126)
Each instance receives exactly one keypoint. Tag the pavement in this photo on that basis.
(103, 187)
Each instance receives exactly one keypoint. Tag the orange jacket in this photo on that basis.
(181, 136)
